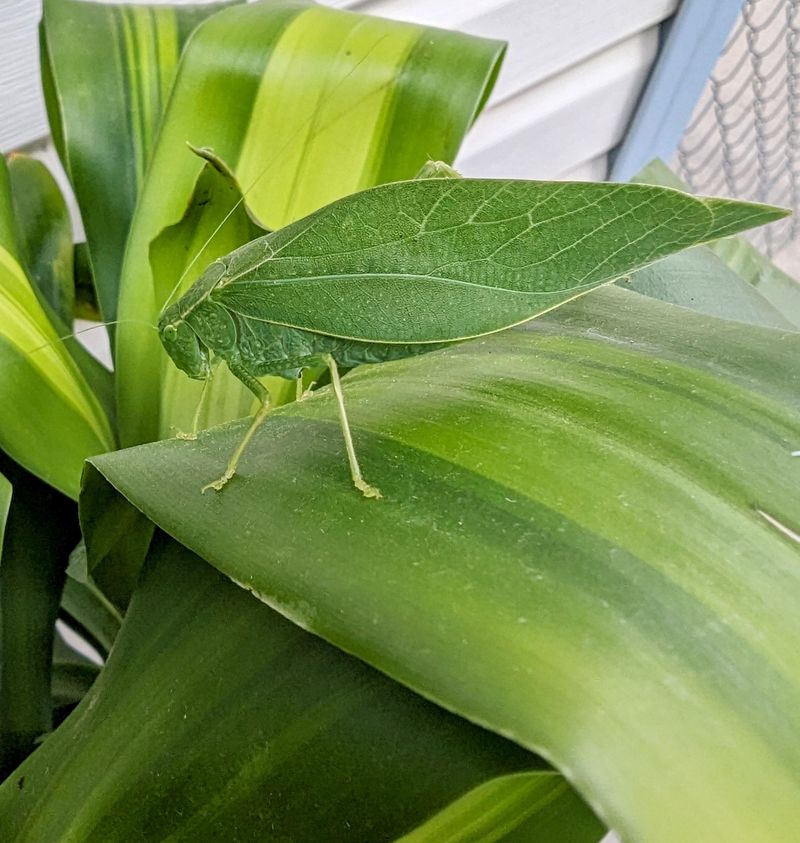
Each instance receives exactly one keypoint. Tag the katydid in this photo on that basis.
(409, 267)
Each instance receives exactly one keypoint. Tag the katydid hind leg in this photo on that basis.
(258, 389)
(359, 482)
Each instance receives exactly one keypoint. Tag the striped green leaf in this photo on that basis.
(244, 727)
(588, 544)
(45, 233)
(105, 105)
(50, 417)
(516, 808)
(301, 105)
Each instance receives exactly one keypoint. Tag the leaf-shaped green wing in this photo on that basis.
(439, 260)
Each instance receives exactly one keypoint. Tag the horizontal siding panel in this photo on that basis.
(595, 169)
(22, 117)
(545, 36)
(571, 118)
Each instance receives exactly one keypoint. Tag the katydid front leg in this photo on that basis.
(355, 470)
(301, 392)
(197, 413)
(263, 396)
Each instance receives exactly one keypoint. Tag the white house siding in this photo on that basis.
(568, 86)
(573, 117)
(21, 109)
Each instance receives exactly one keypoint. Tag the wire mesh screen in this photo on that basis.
(744, 137)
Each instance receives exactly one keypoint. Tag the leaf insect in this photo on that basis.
(409, 267)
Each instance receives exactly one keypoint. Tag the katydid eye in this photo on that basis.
(170, 332)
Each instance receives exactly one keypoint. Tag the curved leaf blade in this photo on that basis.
(45, 232)
(518, 808)
(437, 260)
(44, 249)
(40, 529)
(343, 124)
(50, 418)
(701, 281)
(245, 727)
(573, 542)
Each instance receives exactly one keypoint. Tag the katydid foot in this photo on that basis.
(218, 484)
(366, 489)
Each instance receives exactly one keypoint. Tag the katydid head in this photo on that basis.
(183, 345)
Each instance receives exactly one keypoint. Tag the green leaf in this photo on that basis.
(774, 285)
(45, 233)
(44, 249)
(42, 525)
(701, 281)
(780, 289)
(586, 545)
(438, 260)
(87, 609)
(73, 676)
(105, 105)
(519, 808)
(116, 537)
(50, 417)
(216, 718)
(86, 306)
(302, 104)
